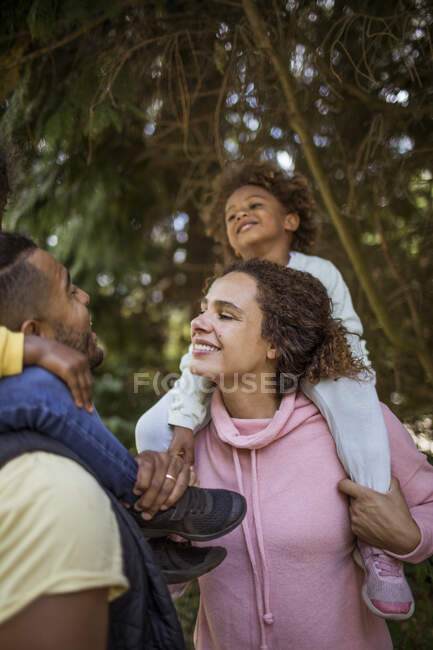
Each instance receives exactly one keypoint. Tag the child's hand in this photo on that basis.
(70, 365)
(183, 445)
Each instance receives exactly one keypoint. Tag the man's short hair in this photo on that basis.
(23, 287)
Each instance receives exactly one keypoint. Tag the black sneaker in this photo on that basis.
(181, 562)
(199, 515)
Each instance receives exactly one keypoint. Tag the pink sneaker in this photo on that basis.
(385, 590)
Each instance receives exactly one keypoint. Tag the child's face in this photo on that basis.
(257, 221)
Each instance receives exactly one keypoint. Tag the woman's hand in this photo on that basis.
(156, 490)
(382, 520)
(70, 365)
(183, 444)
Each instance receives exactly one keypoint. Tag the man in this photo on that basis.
(68, 571)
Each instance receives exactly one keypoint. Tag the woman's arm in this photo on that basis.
(382, 520)
(400, 521)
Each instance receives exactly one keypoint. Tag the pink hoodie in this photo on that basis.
(289, 581)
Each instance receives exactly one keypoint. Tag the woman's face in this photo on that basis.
(226, 336)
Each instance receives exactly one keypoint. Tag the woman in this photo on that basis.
(289, 580)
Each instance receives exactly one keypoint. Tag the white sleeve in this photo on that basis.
(190, 397)
(342, 307)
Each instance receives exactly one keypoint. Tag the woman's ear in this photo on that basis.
(272, 353)
(291, 221)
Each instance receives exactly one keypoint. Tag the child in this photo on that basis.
(271, 216)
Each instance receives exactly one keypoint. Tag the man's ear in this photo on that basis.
(31, 327)
(291, 221)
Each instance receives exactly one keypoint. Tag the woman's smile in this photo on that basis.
(228, 325)
(201, 347)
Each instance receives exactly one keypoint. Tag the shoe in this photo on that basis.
(200, 515)
(181, 562)
(385, 590)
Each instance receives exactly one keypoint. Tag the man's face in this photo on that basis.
(65, 318)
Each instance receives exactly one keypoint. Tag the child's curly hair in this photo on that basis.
(297, 320)
(293, 192)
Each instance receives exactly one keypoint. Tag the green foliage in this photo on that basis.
(116, 134)
(41, 19)
(417, 632)
(187, 607)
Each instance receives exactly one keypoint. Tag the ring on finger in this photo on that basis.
(173, 478)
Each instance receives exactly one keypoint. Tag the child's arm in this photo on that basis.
(17, 350)
(188, 409)
(190, 397)
(183, 444)
(68, 364)
(11, 352)
(342, 306)
(39, 401)
(170, 423)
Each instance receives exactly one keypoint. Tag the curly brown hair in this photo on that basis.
(293, 192)
(297, 320)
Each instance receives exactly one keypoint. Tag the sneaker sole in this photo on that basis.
(196, 537)
(178, 576)
(389, 617)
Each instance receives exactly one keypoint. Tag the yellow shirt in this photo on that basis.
(58, 533)
(11, 352)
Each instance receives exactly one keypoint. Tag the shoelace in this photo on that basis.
(195, 503)
(387, 567)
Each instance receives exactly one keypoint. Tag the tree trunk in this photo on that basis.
(299, 125)
(4, 187)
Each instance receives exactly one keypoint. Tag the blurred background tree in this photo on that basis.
(115, 116)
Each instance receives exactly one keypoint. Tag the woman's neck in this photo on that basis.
(247, 405)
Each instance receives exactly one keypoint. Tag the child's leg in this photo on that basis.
(38, 400)
(353, 413)
(355, 419)
(152, 430)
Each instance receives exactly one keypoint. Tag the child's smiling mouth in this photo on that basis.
(246, 225)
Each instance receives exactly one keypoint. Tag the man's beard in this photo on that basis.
(83, 341)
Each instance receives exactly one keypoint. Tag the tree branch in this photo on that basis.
(64, 41)
(299, 125)
(50, 48)
(404, 112)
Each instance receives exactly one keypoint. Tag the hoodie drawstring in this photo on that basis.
(267, 616)
(262, 594)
